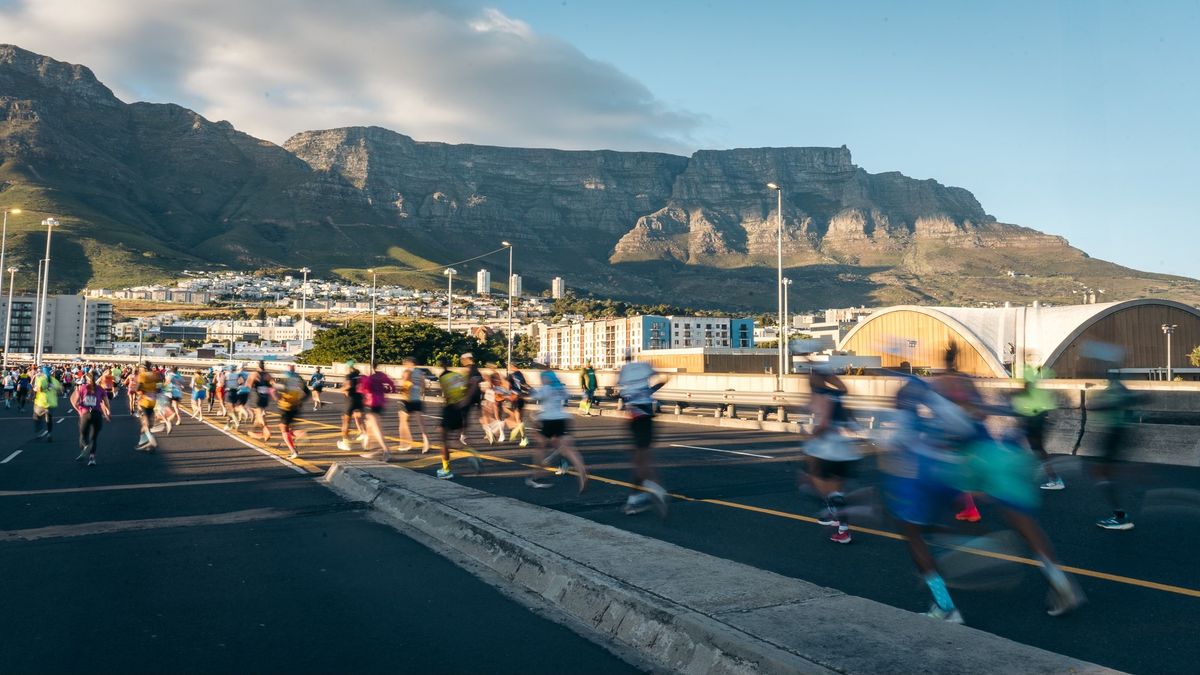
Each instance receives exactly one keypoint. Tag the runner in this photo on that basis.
(24, 386)
(175, 384)
(91, 402)
(587, 382)
(1110, 410)
(831, 453)
(354, 408)
(291, 402)
(474, 392)
(108, 383)
(456, 398)
(494, 395)
(10, 388)
(199, 393)
(1033, 405)
(375, 388)
(553, 416)
(46, 390)
(412, 386)
(218, 397)
(233, 388)
(211, 378)
(130, 380)
(143, 399)
(260, 384)
(518, 388)
(637, 392)
(316, 384)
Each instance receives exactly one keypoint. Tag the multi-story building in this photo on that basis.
(558, 288)
(605, 343)
(72, 324)
(514, 285)
(483, 282)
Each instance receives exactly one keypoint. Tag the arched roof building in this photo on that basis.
(992, 340)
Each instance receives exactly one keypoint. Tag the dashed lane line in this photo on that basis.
(10, 458)
(728, 452)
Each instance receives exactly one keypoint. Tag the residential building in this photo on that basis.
(606, 343)
(514, 285)
(483, 282)
(558, 288)
(73, 323)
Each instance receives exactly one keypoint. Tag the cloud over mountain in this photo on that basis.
(452, 71)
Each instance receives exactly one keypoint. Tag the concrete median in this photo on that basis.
(681, 610)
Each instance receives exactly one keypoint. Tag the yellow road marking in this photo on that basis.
(431, 459)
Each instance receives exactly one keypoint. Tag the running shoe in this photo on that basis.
(82, 455)
(538, 484)
(658, 497)
(378, 454)
(637, 503)
(841, 537)
(475, 463)
(827, 518)
(524, 442)
(361, 438)
(92, 459)
(294, 455)
(1060, 601)
(562, 469)
(1115, 523)
(343, 445)
(1056, 484)
(970, 515)
(445, 473)
(951, 616)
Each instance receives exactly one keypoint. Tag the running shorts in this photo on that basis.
(452, 418)
(288, 416)
(354, 403)
(827, 469)
(643, 431)
(241, 398)
(413, 406)
(264, 400)
(377, 409)
(554, 428)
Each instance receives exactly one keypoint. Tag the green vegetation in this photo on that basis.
(1194, 357)
(424, 342)
(593, 308)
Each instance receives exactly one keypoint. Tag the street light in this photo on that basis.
(4, 244)
(50, 224)
(787, 318)
(450, 272)
(304, 306)
(508, 363)
(912, 354)
(138, 321)
(374, 286)
(1169, 330)
(12, 271)
(779, 282)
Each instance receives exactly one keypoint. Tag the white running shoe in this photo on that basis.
(343, 445)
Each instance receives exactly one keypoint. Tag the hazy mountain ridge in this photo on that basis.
(147, 189)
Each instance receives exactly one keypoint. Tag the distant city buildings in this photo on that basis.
(606, 343)
(514, 285)
(483, 282)
(558, 288)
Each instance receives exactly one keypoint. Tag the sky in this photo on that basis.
(1074, 118)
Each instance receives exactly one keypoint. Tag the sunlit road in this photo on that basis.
(737, 498)
(209, 556)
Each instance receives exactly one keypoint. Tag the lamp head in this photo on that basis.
(506, 244)
(773, 186)
(13, 270)
(13, 211)
(50, 222)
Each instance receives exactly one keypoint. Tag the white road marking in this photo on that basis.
(60, 420)
(257, 449)
(10, 457)
(728, 452)
(128, 486)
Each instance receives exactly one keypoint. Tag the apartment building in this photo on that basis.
(73, 323)
(605, 343)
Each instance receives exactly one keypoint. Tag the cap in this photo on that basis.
(468, 355)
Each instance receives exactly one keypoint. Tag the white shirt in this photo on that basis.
(553, 401)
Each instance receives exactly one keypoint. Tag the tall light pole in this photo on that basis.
(304, 306)
(779, 282)
(138, 321)
(1169, 330)
(4, 243)
(12, 271)
(450, 272)
(374, 286)
(787, 320)
(50, 223)
(508, 363)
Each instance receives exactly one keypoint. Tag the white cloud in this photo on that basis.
(437, 71)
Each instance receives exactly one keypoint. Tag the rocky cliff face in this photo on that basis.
(146, 189)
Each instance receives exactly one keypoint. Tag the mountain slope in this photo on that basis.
(144, 190)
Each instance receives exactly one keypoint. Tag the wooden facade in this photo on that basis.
(887, 334)
(1137, 330)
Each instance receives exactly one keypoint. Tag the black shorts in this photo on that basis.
(1035, 430)
(413, 406)
(264, 400)
(1112, 443)
(354, 404)
(241, 398)
(642, 427)
(827, 469)
(288, 416)
(554, 428)
(518, 403)
(318, 388)
(376, 410)
(452, 418)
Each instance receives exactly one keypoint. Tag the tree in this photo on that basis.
(262, 315)
(424, 342)
(1194, 357)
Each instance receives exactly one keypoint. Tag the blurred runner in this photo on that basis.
(518, 388)
(637, 392)
(316, 384)
(46, 390)
(1109, 409)
(553, 416)
(412, 387)
(375, 388)
(144, 399)
(831, 453)
(291, 398)
(91, 402)
(1033, 404)
(494, 395)
(263, 388)
(354, 408)
(456, 399)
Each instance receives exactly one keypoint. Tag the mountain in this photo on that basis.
(146, 190)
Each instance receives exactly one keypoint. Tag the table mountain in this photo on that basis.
(145, 190)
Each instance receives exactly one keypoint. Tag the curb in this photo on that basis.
(661, 600)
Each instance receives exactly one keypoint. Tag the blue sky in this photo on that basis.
(1079, 119)
(1075, 118)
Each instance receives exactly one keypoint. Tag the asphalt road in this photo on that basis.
(210, 556)
(1142, 584)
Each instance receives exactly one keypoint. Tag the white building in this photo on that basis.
(605, 343)
(514, 285)
(558, 288)
(73, 323)
(483, 282)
